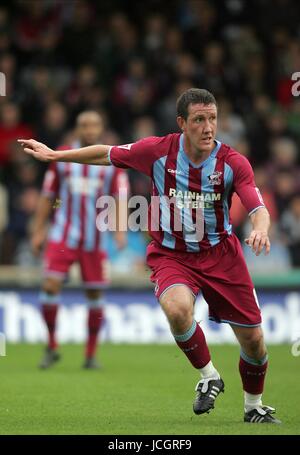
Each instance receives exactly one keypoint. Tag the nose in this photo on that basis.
(207, 126)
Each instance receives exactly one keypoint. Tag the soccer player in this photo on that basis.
(201, 173)
(73, 189)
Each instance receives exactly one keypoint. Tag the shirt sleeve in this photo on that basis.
(119, 186)
(139, 155)
(50, 186)
(244, 185)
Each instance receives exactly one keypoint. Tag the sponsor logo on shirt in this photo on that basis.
(174, 171)
(193, 199)
(84, 185)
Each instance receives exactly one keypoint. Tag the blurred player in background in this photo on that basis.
(72, 190)
(200, 173)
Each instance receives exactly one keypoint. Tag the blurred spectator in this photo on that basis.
(243, 147)
(256, 66)
(83, 88)
(278, 260)
(78, 39)
(284, 188)
(231, 128)
(40, 86)
(34, 18)
(256, 121)
(276, 124)
(290, 225)
(11, 129)
(53, 125)
(23, 193)
(3, 214)
(187, 67)
(293, 118)
(8, 67)
(165, 110)
(173, 45)
(284, 159)
(133, 94)
(200, 21)
(283, 154)
(143, 127)
(154, 34)
(3, 211)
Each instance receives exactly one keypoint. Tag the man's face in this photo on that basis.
(89, 128)
(200, 127)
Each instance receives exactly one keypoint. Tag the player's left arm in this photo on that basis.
(245, 187)
(259, 236)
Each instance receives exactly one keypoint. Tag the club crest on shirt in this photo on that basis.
(215, 178)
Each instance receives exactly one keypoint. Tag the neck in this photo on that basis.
(196, 155)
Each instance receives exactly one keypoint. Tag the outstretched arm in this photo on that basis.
(259, 237)
(93, 154)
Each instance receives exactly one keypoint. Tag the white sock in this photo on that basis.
(252, 401)
(209, 371)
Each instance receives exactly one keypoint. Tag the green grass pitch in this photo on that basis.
(141, 389)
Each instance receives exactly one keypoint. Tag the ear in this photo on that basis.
(181, 123)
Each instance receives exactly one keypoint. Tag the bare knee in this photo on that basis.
(178, 313)
(256, 346)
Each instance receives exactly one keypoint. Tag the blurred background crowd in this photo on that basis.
(130, 60)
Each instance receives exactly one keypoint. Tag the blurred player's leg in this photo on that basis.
(93, 266)
(95, 318)
(253, 368)
(57, 260)
(178, 305)
(49, 301)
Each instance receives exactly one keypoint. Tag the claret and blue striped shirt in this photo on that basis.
(77, 188)
(204, 189)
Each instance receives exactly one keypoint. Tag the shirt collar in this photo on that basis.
(210, 157)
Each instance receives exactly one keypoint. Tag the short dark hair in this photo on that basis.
(193, 96)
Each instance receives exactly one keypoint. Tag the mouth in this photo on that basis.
(206, 139)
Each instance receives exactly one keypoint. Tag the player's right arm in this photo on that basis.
(93, 154)
(139, 156)
(40, 223)
(39, 227)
